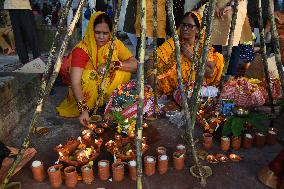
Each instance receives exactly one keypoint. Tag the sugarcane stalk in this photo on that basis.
(140, 105)
(52, 52)
(41, 101)
(230, 46)
(108, 62)
(183, 95)
(198, 82)
(275, 40)
(194, 64)
(155, 55)
(264, 57)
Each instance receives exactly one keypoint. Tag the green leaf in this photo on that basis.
(227, 130)
(238, 125)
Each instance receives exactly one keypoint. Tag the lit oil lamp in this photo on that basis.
(86, 134)
(110, 143)
(235, 157)
(211, 159)
(222, 158)
(105, 125)
(99, 142)
(92, 126)
(81, 157)
(99, 131)
(131, 134)
(145, 125)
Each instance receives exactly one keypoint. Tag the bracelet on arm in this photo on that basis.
(117, 65)
(82, 106)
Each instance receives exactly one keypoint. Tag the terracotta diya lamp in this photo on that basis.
(221, 158)
(260, 140)
(149, 165)
(81, 157)
(70, 175)
(131, 134)
(163, 164)
(180, 148)
(99, 142)
(235, 157)
(92, 126)
(145, 125)
(161, 151)
(211, 159)
(105, 125)
(55, 177)
(38, 171)
(271, 137)
(225, 143)
(99, 131)
(178, 159)
(118, 171)
(236, 142)
(87, 174)
(103, 170)
(132, 169)
(247, 141)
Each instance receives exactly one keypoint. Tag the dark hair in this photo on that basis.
(103, 18)
(195, 19)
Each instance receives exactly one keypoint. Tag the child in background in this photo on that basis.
(247, 53)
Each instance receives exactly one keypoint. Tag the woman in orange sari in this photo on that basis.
(166, 65)
(88, 63)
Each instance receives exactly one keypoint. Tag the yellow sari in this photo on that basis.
(167, 72)
(91, 79)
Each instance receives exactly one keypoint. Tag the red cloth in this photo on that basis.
(79, 58)
(277, 164)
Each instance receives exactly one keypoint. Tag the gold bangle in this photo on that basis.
(82, 106)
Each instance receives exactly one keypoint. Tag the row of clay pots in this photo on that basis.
(259, 140)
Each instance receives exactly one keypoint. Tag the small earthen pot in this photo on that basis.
(55, 177)
(118, 171)
(87, 174)
(271, 136)
(149, 165)
(225, 143)
(178, 160)
(236, 142)
(163, 164)
(247, 141)
(71, 176)
(132, 169)
(103, 169)
(180, 148)
(207, 141)
(38, 171)
(161, 151)
(260, 140)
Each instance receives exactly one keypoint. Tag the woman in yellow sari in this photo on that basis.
(166, 66)
(87, 67)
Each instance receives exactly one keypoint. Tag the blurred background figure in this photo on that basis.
(24, 28)
(7, 42)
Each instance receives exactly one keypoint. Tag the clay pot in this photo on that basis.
(70, 175)
(118, 171)
(207, 141)
(163, 164)
(103, 169)
(149, 165)
(178, 160)
(225, 143)
(260, 140)
(38, 171)
(87, 174)
(132, 169)
(236, 142)
(247, 141)
(180, 148)
(271, 136)
(161, 151)
(54, 174)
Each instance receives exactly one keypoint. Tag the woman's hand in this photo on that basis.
(84, 118)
